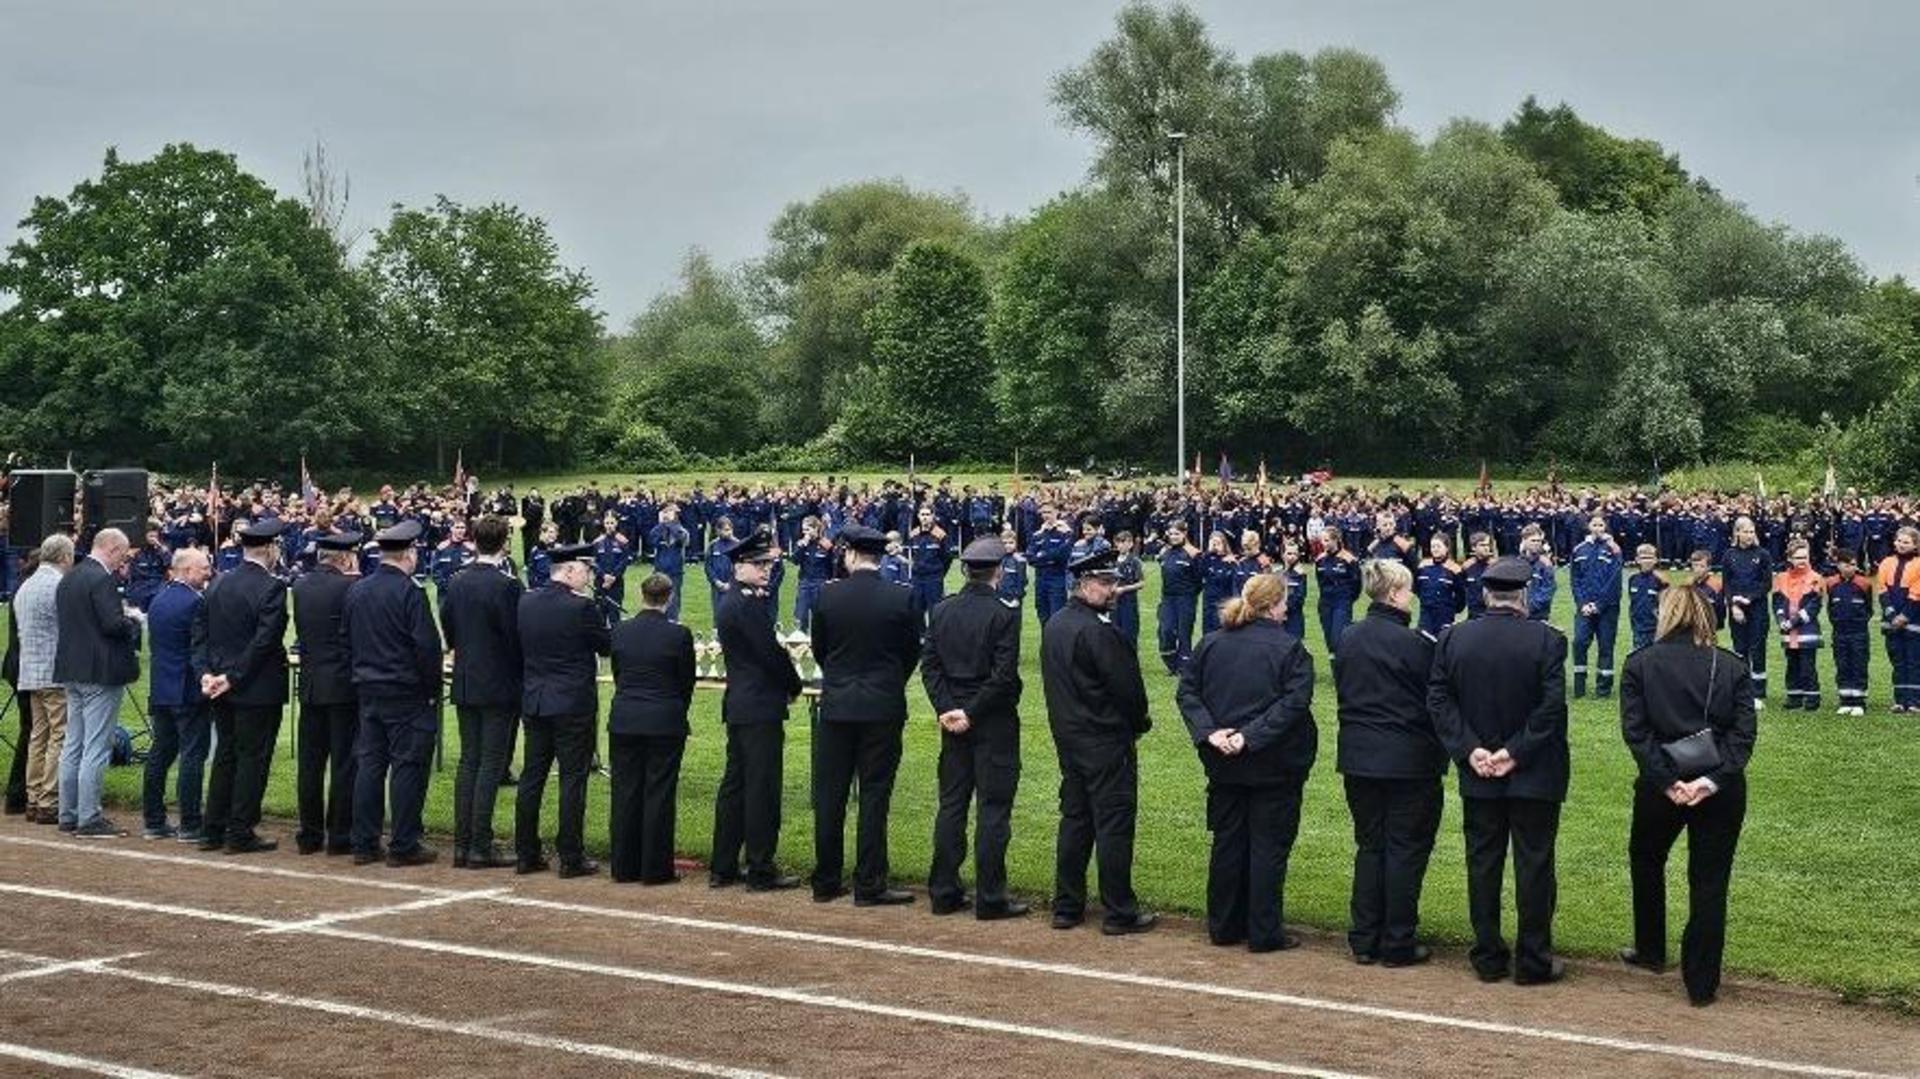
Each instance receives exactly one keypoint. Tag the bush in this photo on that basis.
(639, 446)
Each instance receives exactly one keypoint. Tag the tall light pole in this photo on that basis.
(1180, 301)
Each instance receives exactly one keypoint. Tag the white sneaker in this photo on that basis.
(1759, 706)
(1859, 711)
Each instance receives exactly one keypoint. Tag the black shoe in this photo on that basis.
(1420, 954)
(774, 884)
(488, 859)
(335, 850)
(952, 906)
(526, 866)
(252, 845)
(1491, 974)
(892, 897)
(368, 857)
(1286, 943)
(1225, 942)
(14, 809)
(1139, 923)
(1010, 909)
(1632, 958)
(416, 856)
(829, 894)
(585, 867)
(1556, 970)
(308, 846)
(721, 880)
(1365, 959)
(460, 859)
(655, 882)
(1703, 1000)
(211, 842)
(101, 828)
(1067, 919)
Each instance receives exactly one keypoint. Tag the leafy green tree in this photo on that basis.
(1300, 106)
(925, 390)
(1592, 169)
(1376, 389)
(692, 366)
(495, 339)
(175, 309)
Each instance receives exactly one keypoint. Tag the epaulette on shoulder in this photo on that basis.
(1010, 604)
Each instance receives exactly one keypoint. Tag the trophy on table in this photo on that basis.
(707, 651)
(800, 646)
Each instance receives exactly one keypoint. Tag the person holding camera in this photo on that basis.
(1687, 713)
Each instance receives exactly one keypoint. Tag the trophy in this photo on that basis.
(800, 646)
(707, 650)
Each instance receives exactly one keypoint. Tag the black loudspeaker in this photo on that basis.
(40, 503)
(116, 498)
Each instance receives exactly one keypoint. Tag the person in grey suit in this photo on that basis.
(37, 616)
(95, 660)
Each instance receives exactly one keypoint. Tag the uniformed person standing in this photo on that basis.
(971, 669)
(561, 631)
(329, 709)
(866, 634)
(761, 682)
(395, 651)
(479, 615)
(1097, 707)
(1498, 695)
(653, 677)
(237, 642)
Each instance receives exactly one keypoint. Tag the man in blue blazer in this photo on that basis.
(175, 706)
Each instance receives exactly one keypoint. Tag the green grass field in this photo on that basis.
(1826, 889)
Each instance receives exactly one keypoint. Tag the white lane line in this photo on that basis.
(364, 913)
(377, 1015)
(80, 1064)
(227, 865)
(56, 966)
(142, 906)
(1069, 970)
(714, 985)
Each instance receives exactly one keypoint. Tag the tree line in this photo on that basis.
(1537, 289)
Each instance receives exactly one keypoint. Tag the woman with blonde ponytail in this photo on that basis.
(1245, 696)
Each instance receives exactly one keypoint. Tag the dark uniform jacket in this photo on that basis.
(319, 599)
(560, 633)
(480, 618)
(1674, 688)
(391, 642)
(1500, 682)
(866, 634)
(760, 675)
(1257, 680)
(653, 673)
(1380, 677)
(97, 639)
(972, 658)
(1091, 675)
(240, 631)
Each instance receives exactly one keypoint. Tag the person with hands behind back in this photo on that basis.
(1686, 712)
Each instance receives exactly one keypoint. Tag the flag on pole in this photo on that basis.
(1226, 470)
(1194, 477)
(213, 502)
(1261, 483)
(1659, 480)
(308, 496)
(1485, 480)
(69, 460)
(459, 469)
(1761, 482)
(1831, 486)
(1019, 488)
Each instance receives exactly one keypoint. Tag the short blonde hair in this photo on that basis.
(1381, 577)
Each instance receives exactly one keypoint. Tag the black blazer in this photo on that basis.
(760, 675)
(97, 639)
(866, 634)
(972, 658)
(1380, 678)
(560, 633)
(1500, 682)
(1664, 696)
(1257, 680)
(391, 638)
(480, 619)
(1091, 675)
(653, 673)
(319, 597)
(240, 631)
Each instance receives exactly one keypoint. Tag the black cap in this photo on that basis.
(863, 539)
(398, 537)
(1507, 574)
(340, 541)
(757, 547)
(571, 552)
(261, 532)
(1100, 563)
(985, 551)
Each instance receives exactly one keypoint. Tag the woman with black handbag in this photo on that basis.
(1686, 710)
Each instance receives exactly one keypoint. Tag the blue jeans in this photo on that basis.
(178, 731)
(803, 602)
(673, 605)
(92, 712)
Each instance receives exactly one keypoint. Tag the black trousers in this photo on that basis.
(1253, 832)
(16, 797)
(486, 746)
(569, 741)
(646, 791)
(1531, 826)
(1099, 799)
(325, 778)
(392, 757)
(1713, 831)
(983, 768)
(238, 780)
(746, 808)
(840, 752)
(1394, 824)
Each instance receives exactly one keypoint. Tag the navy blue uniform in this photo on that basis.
(395, 654)
(815, 562)
(1442, 594)
(1643, 605)
(1746, 575)
(1179, 590)
(669, 544)
(1850, 609)
(1337, 576)
(1126, 607)
(1047, 552)
(1595, 577)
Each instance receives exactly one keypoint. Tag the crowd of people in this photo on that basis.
(1455, 661)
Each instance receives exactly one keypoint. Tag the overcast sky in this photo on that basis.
(639, 129)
